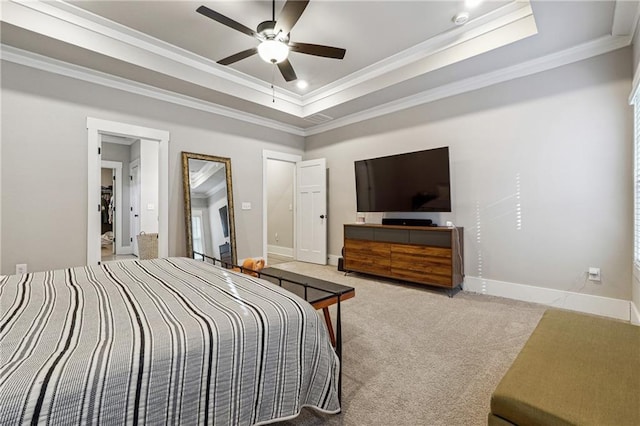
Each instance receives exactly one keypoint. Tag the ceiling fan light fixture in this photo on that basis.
(273, 51)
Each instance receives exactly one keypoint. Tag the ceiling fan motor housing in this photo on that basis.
(274, 39)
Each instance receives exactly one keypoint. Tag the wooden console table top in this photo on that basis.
(319, 299)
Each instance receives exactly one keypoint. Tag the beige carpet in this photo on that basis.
(414, 356)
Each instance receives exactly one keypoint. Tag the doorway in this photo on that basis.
(309, 206)
(156, 198)
(280, 210)
(108, 216)
(278, 177)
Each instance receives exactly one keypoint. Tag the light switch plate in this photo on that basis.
(246, 205)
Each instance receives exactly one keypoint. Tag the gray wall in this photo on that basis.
(635, 46)
(561, 141)
(44, 221)
(121, 154)
(541, 173)
(279, 198)
(636, 59)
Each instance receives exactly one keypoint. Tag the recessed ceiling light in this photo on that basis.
(302, 84)
(470, 4)
(461, 18)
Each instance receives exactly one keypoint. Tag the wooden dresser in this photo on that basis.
(418, 254)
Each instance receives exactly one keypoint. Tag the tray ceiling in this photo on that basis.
(396, 50)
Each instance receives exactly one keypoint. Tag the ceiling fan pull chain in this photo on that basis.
(273, 78)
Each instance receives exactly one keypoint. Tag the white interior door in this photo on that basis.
(135, 206)
(311, 223)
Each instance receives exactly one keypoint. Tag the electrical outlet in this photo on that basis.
(21, 268)
(450, 224)
(276, 237)
(594, 274)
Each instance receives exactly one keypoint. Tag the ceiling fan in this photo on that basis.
(274, 40)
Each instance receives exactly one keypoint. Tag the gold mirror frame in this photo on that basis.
(186, 156)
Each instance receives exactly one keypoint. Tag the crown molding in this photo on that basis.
(76, 26)
(431, 55)
(505, 15)
(544, 63)
(81, 18)
(44, 63)
(49, 21)
(534, 66)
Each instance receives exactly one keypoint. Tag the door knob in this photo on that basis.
(322, 216)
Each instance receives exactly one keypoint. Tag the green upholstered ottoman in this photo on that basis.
(575, 369)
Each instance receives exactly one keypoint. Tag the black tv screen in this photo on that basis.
(412, 182)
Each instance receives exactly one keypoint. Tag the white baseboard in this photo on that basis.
(332, 259)
(598, 305)
(635, 314)
(280, 251)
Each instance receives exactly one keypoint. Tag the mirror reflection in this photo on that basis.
(209, 206)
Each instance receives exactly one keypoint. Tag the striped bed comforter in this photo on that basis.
(165, 341)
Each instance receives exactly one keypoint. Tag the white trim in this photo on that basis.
(505, 15)
(282, 156)
(565, 57)
(133, 164)
(574, 54)
(33, 60)
(110, 39)
(445, 49)
(280, 251)
(598, 305)
(97, 24)
(635, 314)
(541, 64)
(332, 259)
(117, 165)
(96, 127)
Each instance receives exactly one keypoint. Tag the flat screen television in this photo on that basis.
(412, 182)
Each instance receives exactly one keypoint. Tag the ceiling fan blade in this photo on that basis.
(291, 12)
(238, 56)
(204, 10)
(318, 50)
(287, 70)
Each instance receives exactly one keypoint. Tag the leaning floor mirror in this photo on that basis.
(208, 207)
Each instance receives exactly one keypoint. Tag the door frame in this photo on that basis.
(132, 196)
(97, 127)
(117, 166)
(281, 156)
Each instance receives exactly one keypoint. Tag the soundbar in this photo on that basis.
(407, 222)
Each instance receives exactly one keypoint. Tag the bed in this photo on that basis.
(163, 341)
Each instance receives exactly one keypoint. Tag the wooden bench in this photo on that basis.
(575, 369)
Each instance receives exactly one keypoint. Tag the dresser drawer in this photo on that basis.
(367, 256)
